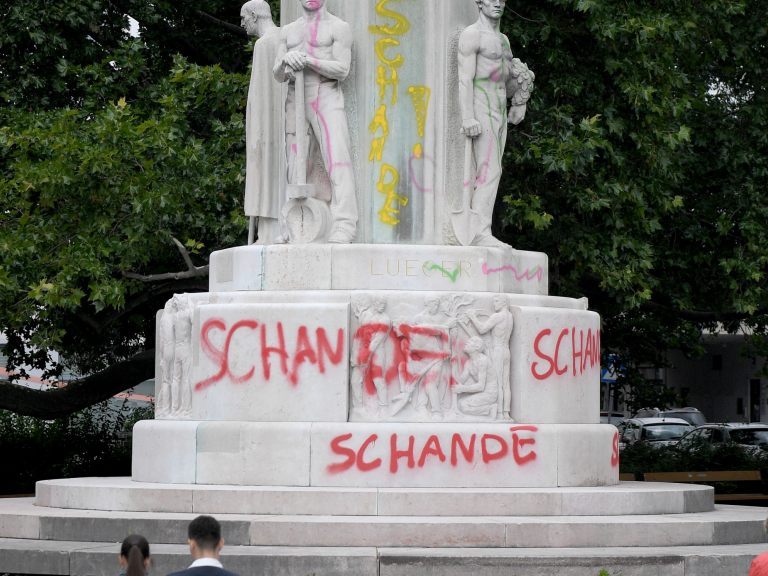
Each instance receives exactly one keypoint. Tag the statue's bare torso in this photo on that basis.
(492, 54)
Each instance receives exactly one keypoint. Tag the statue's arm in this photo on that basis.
(279, 69)
(519, 84)
(469, 46)
(484, 327)
(509, 78)
(339, 66)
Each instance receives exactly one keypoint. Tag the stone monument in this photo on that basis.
(360, 348)
(378, 381)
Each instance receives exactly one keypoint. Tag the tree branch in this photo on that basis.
(232, 28)
(526, 19)
(192, 271)
(184, 253)
(80, 393)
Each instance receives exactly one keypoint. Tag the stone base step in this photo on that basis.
(89, 559)
(725, 525)
(122, 494)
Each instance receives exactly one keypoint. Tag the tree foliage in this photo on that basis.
(92, 442)
(646, 164)
(111, 148)
(641, 168)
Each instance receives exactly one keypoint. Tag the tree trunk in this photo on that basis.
(80, 393)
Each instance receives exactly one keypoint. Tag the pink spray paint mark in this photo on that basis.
(530, 274)
(412, 172)
(314, 28)
(326, 133)
(482, 173)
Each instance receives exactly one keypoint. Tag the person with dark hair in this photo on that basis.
(205, 544)
(134, 556)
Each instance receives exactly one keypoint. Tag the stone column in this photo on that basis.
(403, 113)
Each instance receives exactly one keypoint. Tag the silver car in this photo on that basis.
(655, 431)
(689, 414)
(750, 436)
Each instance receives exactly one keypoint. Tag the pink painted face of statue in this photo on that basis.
(312, 5)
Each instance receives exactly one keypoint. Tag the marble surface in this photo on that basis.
(378, 455)
(379, 267)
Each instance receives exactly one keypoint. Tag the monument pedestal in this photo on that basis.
(379, 366)
(375, 455)
(329, 414)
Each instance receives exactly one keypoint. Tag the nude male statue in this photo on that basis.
(181, 386)
(488, 76)
(262, 126)
(320, 44)
(166, 349)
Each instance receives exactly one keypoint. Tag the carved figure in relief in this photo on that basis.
(500, 324)
(175, 391)
(429, 371)
(370, 352)
(319, 45)
(488, 76)
(262, 125)
(181, 385)
(477, 391)
(165, 346)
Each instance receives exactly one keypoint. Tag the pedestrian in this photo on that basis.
(134, 556)
(205, 544)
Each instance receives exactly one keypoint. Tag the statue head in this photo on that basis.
(179, 302)
(361, 303)
(493, 9)
(379, 304)
(256, 17)
(432, 305)
(474, 344)
(499, 302)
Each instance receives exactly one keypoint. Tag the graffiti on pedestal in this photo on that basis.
(567, 352)
(447, 361)
(395, 452)
(256, 344)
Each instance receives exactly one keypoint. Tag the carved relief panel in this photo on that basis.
(437, 357)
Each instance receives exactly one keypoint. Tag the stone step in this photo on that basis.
(121, 494)
(58, 558)
(724, 525)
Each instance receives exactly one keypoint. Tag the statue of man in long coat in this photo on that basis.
(262, 124)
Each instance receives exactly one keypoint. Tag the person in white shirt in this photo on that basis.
(205, 544)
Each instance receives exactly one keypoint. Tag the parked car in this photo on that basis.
(691, 415)
(750, 436)
(615, 418)
(655, 431)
